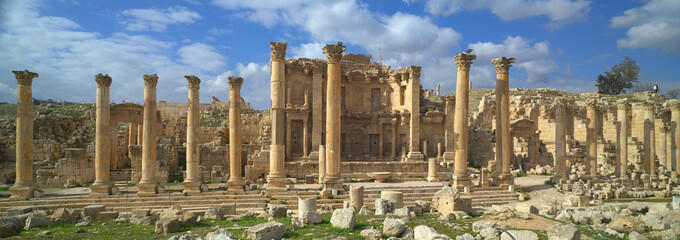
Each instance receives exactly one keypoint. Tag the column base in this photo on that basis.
(449, 156)
(432, 179)
(101, 189)
(235, 187)
(22, 192)
(147, 189)
(331, 183)
(314, 155)
(506, 180)
(415, 157)
(191, 187)
(461, 180)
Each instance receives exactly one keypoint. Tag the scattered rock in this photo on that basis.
(393, 226)
(167, 225)
(8, 229)
(141, 212)
(489, 234)
(65, 215)
(228, 208)
(526, 208)
(423, 232)
(213, 213)
(636, 236)
(425, 205)
(93, 211)
(311, 217)
(108, 216)
(19, 210)
(36, 222)
(627, 224)
(447, 200)
(519, 234)
(296, 223)
(373, 234)
(465, 236)
(563, 232)
(401, 212)
(384, 207)
(278, 210)
(366, 210)
(221, 234)
(343, 218)
(148, 220)
(267, 231)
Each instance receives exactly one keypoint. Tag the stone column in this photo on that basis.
(591, 136)
(425, 148)
(132, 133)
(102, 150)
(662, 146)
(317, 108)
(395, 127)
(305, 135)
(289, 136)
(148, 185)
(675, 132)
(502, 65)
(414, 154)
(460, 131)
(322, 163)
(560, 139)
(381, 148)
(140, 133)
(439, 150)
(24, 186)
(651, 133)
(333, 180)
(356, 197)
(276, 179)
(235, 182)
(450, 103)
(432, 170)
(192, 184)
(622, 117)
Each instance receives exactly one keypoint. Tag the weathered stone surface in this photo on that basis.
(489, 234)
(108, 216)
(93, 211)
(278, 210)
(424, 205)
(519, 234)
(638, 207)
(563, 232)
(480, 225)
(8, 229)
(423, 232)
(221, 234)
(343, 218)
(393, 226)
(306, 205)
(36, 222)
(373, 234)
(296, 223)
(670, 234)
(636, 236)
(406, 234)
(627, 224)
(228, 208)
(448, 200)
(167, 225)
(141, 212)
(266, 231)
(394, 196)
(366, 210)
(19, 210)
(187, 236)
(65, 215)
(213, 213)
(526, 208)
(311, 217)
(86, 221)
(465, 236)
(148, 220)
(401, 212)
(384, 207)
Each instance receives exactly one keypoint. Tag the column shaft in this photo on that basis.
(305, 135)
(560, 139)
(395, 127)
(448, 132)
(502, 65)
(235, 182)
(649, 121)
(132, 133)
(622, 117)
(380, 139)
(148, 184)
(591, 137)
(192, 184)
(322, 163)
(675, 132)
(333, 180)
(24, 186)
(104, 144)
(460, 130)
(414, 154)
(276, 177)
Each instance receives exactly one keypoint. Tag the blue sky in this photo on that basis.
(562, 44)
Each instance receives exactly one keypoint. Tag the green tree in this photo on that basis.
(619, 78)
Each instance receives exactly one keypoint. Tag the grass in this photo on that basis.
(521, 174)
(4, 188)
(636, 200)
(549, 182)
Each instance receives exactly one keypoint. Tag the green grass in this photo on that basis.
(549, 182)
(636, 200)
(4, 188)
(521, 174)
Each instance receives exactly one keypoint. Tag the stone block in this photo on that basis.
(371, 234)
(228, 208)
(397, 197)
(167, 225)
(311, 217)
(384, 206)
(36, 222)
(423, 232)
(93, 211)
(65, 215)
(627, 224)
(221, 234)
(108, 216)
(366, 210)
(401, 212)
(19, 210)
(393, 226)
(526, 208)
(306, 205)
(267, 231)
(213, 213)
(141, 212)
(447, 200)
(343, 218)
(519, 234)
(278, 210)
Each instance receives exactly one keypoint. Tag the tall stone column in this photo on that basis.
(449, 153)
(132, 133)
(322, 163)
(235, 182)
(289, 136)
(502, 65)
(333, 180)
(662, 146)
(24, 186)
(432, 170)
(148, 185)
(140, 133)
(414, 154)
(461, 178)
(560, 139)
(276, 179)
(622, 117)
(591, 136)
(651, 144)
(102, 150)
(305, 141)
(317, 108)
(380, 139)
(675, 132)
(395, 126)
(192, 184)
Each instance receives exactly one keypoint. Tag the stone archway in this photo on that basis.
(525, 143)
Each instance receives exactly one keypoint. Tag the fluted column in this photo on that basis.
(317, 108)
(192, 184)
(560, 139)
(460, 130)
(322, 163)
(414, 154)
(276, 178)
(651, 143)
(675, 132)
(24, 186)
(140, 133)
(449, 153)
(393, 151)
(235, 182)
(502, 65)
(103, 144)
(591, 137)
(333, 180)
(663, 130)
(622, 117)
(148, 185)
(132, 133)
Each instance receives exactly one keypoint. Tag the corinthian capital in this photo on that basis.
(24, 77)
(623, 103)
(562, 101)
(278, 50)
(591, 104)
(464, 60)
(414, 71)
(102, 80)
(649, 105)
(194, 82)
(150, 80)
(235, 82)
(502, 64)
(334, 52)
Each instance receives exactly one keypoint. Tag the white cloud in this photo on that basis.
(308, 50)
(157, 19)
(7, 92)
(560, 12)
(202, 56)
(655, 25)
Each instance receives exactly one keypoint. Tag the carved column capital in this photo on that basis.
(334, 52)
(464, 60)
(591, 104)
(150, 80)
(102, 80)
(278, 50)
(502, 64)
(235, 82)
(450, 101)
(25, 77)
(562, 101)
(623, 103)
(649, 105)
(194, 82)
(414, 71)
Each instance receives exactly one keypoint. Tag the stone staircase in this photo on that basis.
(121, 175)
